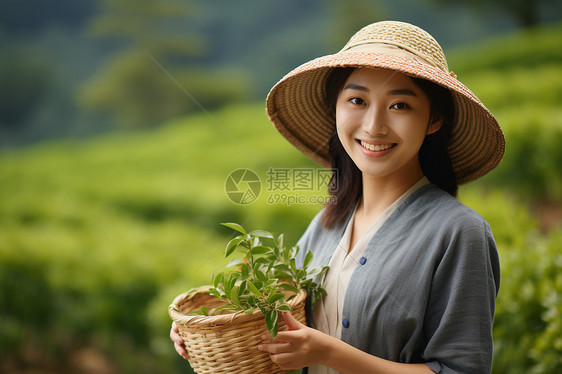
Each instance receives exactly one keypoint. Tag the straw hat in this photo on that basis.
(297, 106)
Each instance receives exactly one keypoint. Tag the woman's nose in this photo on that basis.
(374, 122)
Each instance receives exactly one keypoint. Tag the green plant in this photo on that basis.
(261, 278)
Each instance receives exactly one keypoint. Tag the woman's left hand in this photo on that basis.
(294, 349)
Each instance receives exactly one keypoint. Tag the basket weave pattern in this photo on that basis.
(227, 343)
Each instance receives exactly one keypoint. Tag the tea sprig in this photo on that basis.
(261, 277)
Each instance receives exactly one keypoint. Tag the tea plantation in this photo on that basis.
(98, 236)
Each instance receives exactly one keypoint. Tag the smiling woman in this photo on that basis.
(413, 273)
(433, 154)
(382, 119)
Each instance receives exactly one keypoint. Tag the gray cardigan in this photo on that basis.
(425, 288)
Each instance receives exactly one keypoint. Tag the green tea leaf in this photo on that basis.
(260, 250)
(254, 289)
(271, 322)
(232, 245)
(258, 283)
(288, 287)
(282, 267)
(274, 297)
(242, 288)
(307, 258)
(235, 226)
(284, 308)
(217, 279)
(261, 234)
(261, 261)
(314, 271)
(234, 295)
(236, 261)
(293, 252)
(270, 282)
(314, 297)
(227, 288)
(261, 276)
(200, 311)
(244, 270)
(293, 265)
(269, 267)
(215, 293)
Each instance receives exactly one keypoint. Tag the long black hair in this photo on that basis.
(346, 184)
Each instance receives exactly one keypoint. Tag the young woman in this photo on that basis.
(413, 273)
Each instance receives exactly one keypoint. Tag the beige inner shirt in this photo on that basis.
(328, 310)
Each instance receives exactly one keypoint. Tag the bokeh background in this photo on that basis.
(120, 121)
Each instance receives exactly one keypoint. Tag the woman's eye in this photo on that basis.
(357, 101)
(399, 106)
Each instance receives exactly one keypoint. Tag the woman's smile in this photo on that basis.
(376, 148)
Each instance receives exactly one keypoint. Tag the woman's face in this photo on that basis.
(382, 118)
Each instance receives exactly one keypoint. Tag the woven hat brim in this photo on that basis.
(296, 106)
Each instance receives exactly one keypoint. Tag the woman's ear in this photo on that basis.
(434, 125)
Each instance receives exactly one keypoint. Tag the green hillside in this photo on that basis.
(98, 236)
(112, 229)
(519, 78)
(530, 48)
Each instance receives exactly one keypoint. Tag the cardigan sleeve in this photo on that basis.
(460, 311)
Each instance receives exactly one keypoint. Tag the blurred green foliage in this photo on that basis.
(526, 13)
(533, 47)
(519, 78)
(104, 234)
(97, 54)
(155, 78)
(527, 328)
(97, 237)
(138, 91)
(25, 79)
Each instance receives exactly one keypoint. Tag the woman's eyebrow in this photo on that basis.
(394, 92)
(355, 86)
(402, 91)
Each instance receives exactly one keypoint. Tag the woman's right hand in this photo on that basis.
(179, 343)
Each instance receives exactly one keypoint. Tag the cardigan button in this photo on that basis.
(363, 260)
(345, 323)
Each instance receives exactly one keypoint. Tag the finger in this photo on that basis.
(291, 322)
(175, 336)
(266, 338)
(293, 336)
(181, 351)
(275, 348)
(285, 361)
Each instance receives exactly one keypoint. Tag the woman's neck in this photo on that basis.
(379, 193)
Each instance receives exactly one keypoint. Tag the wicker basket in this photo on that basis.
(226, 343)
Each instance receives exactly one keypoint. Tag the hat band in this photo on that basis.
(375, 46)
